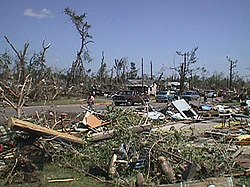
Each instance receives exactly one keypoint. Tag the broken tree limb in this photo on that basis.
(166, 168)
(110, 134)
(33, 128)
(243, 143)
(191, 171)
(140, 180)
(112, 167)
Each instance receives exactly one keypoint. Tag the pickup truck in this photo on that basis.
(130, 98)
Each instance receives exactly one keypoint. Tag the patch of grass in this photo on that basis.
(65, 173)
(53, 171)
(68, 101)
(61, 101)
(242, 181)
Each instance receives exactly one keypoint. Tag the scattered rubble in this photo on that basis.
(178, 145)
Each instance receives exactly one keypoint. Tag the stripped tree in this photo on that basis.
(184, 68)
(120, 67)
(132, 74)
(16, 88)
(77, 71)
(102, 74)
(41, 75)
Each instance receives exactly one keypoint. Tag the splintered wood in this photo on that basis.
(33, 128)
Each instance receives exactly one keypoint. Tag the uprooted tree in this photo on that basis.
(18, 80)
(77, 73)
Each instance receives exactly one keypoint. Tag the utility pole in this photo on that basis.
(142, 75)
(101, 70)
(232, 65)
(191, 80)
(151, 70)
(184, 68)
(183, 71)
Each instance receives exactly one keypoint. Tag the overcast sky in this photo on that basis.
(150, 29)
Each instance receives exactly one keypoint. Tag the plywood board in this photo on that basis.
(91, 120)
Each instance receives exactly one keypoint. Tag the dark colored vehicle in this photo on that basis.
(190, 95)
(164, 96)
(130, 98)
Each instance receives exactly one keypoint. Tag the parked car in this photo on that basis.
(210, 93)
(190, 95)
(164, 96)
(130, 98)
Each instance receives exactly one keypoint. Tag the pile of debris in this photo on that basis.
(131, 147)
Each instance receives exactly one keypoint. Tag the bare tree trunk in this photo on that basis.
(19, 112)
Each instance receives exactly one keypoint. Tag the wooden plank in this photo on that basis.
(33, 128)
(243, 162)
(60, 180)
(245, 137)
(243, 143)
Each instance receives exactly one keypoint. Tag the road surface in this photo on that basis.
(76, 108)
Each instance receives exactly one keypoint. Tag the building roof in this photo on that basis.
(138, 82)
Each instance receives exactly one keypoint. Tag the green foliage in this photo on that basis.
(120, 67)
(6, 66)
(54, 171)
(144, 149)
(133, 71)
(77, 73)
(217, 80)
(138, 151)
(102, 74)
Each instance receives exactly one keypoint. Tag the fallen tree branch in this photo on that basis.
(112, 133)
